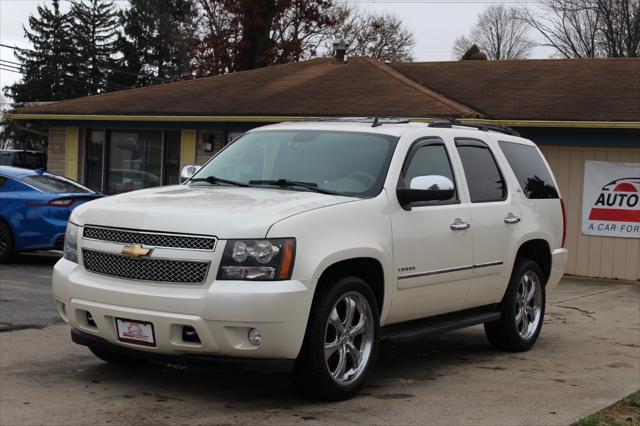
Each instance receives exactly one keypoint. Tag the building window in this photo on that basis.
(94, 159)
(171, 174)
(232, 136)
(126, 160)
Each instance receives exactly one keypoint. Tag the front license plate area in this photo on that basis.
(136, 332)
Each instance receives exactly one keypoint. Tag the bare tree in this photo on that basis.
(619, 34)
(499, 33)
(569, 26)
(588, 28)
(381, 36)
(303, 28)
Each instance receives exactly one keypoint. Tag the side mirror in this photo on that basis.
(188, 171)
(426, 188)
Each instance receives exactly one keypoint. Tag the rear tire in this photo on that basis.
(116, 358)
(341, 343)
(522, 309)
(7, 243)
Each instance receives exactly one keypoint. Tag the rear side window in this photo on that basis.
(47, 183)
(532, 173)
(483, 176)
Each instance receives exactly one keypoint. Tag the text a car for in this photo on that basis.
(306, 243)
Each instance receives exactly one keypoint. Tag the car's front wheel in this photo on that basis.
(6, 242)
(341, 343)
(522, 309)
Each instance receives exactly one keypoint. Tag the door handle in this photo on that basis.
(511, 218)
(459, 225)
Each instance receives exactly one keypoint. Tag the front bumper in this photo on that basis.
(221, 313)
(559, 259)
(273, 365)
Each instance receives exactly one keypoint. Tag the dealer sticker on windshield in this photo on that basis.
(137, 332)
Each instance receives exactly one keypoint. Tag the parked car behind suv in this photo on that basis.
(305, 244)
(34, 209)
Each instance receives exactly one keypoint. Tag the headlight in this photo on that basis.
(257, 260)
(71, 242)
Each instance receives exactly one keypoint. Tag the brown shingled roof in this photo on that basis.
(580, 89)
(319, 87)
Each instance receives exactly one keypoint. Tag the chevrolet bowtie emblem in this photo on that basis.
(135, 250)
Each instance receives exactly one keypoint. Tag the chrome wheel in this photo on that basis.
(348, 338)
(528, 305)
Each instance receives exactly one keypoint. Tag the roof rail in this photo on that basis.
(375, 121)
(453, 122)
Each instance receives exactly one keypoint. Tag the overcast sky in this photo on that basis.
(435, 23)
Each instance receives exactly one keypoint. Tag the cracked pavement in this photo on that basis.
(588, 357)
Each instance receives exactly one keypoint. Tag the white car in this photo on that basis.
(302, 245)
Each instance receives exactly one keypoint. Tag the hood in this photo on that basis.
(225, 212)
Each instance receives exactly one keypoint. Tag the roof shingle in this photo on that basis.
(562, 89)
(319, 87)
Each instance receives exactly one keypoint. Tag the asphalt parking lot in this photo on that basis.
(588, 357)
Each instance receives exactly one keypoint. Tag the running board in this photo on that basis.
(413, 330)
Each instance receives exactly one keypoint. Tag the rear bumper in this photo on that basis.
(558, 264)
(262, 364)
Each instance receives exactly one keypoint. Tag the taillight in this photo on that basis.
(564, 221)
(58, 202)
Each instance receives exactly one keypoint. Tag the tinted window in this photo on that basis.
(483, 176)
(531, 171)
(428, 160)
(47, 183)
(3, 180)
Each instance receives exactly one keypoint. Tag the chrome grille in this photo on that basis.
(147, 269)
(149, 238)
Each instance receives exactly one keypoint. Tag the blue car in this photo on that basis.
(34, 209)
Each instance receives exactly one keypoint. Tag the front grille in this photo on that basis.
(159, 270)
(149, 238)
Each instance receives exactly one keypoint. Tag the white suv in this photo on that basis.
(303, 245)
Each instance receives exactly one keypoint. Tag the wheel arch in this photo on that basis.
(539, 251)
(369, 269)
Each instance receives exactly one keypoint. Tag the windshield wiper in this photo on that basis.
(214, 181)
(285, 183)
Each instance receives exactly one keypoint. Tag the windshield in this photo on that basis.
(347, 163)
(48, 183)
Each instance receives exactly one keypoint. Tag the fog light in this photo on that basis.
(255, 338)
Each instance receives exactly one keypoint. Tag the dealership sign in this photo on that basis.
(611, 199)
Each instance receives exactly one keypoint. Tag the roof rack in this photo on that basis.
(453, 122)
(375, 121)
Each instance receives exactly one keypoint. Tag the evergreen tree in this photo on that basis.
(95, 32)
(49, 67)
(158, 41)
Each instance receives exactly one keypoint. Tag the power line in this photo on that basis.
(60, 73)
(97, 66)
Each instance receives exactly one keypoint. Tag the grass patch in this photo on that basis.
(622, 413)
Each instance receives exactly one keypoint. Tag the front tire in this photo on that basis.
(7, 243)
(341, 342)
(522, 309)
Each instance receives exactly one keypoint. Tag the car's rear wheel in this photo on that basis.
(522, 309)
(341, 343)
(117, 358)
(6, 242)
